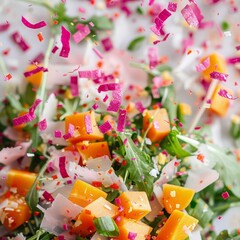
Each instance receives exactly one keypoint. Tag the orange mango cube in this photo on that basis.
(126, 226)
(84, 225)
(15, 213)
(78, 121)
(177, 226)
(135, 204)
(93, 150)
(36, 78)
(83, 193)
(21, 180)
(219, 104)
(217, 64)
(160, 126)
(176, 197)
(99, 208)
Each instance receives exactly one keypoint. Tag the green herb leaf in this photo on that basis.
(227, 166)
(14, 102)
(201, 211)
(139, 165)
(101, 22)
(106, 226)
(136, 43)
(173, 146)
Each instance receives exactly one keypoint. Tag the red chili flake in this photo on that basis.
(124, 163)
(40, 37)
(114, 186)
(225, 195)
(87, 211)
(54, 177)
(8, 77)
(176, 164)
(36, 213)
(110, 171)
(97, 184)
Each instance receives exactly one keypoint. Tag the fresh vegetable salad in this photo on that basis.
(125, 125)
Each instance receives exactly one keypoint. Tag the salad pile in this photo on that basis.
(129, 143)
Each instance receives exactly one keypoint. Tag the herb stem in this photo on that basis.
(203, 106)
(225, 207)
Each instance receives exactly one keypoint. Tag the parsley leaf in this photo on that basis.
(136, 43)
(139, 165)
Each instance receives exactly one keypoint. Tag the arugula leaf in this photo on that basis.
(173, 146)
(32, 195)
(168, 99)
(136, 43)
(225, 235)
(227, 166)
(139, 165)
(101, 22)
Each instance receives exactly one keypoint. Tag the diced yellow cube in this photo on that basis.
(185, 109)
(177, 227)
(83, 193)
(176, 197)
(128, 226)
(217, 64)
(135, 204)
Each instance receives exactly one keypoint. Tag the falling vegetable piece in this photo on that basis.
(217, 64)
(33, 26)
(35, 75)
(134, 205)
(21, 180)
(177, 226)
(15, 213)
(219, 104)
(131, 229)
(176, 197)
(83, 193)
(156, 123)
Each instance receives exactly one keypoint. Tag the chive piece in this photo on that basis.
(200, 210)
(135, 43)
(106, 226)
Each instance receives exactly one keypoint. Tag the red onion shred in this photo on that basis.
(153, 57)
(172, 7)
(34, 71)
(74, 86)
(121, 120)
(33, 26)
(62, 167)
(18, 39)
(65, 40)
(107, 44)
(105, 127)
(90, 74)
(4, 27)
(83, 31)
(98, 53)
(108, 87)
(203, 66)
(192, 14)
(224, 93)
(88, 123)
(42, 125)
(48, 196)
(219, 76)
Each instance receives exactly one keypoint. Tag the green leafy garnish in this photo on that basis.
(201, 211)
(138, 165)
(136, 43)
(106, 226)
(172, 145)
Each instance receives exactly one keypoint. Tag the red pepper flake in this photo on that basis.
(97, 184)
(124, 163)
(40, 37)
(225, 195)
(36, 213)
(114, 186)
(200, 157)
(54, 177)
(8, 77)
